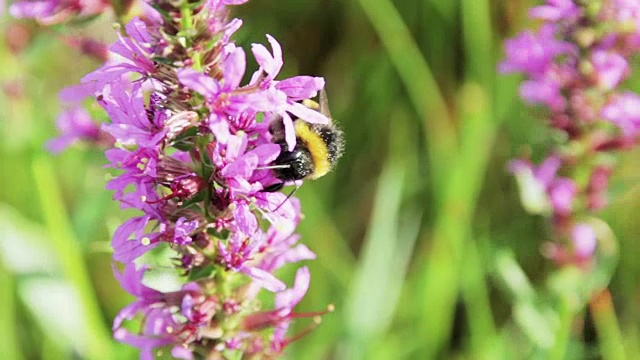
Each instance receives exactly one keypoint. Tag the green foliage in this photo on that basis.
(422, 244)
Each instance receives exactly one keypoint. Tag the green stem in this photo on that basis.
(482, 328)
(9, 348)
(69, 253)
(609, 334)
(563, 335)
(186, 20)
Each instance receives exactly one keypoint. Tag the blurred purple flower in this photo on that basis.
(544, 91)
(623, 110)
(531, 53)
(584, 241)
(610, 68)
(562, 193)
(541, 188)
(556, 10)
(574, 66)
(74, 125)
(50, 12)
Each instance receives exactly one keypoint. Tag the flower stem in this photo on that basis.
(606, 322)
(9, 348)
(475, 294)
(563, 334)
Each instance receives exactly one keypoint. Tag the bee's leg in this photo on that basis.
(273, 187)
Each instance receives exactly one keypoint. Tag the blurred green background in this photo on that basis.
(422, 244)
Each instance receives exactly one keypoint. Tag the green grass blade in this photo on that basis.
(325, 239)
(480, 64)
(69, 253)
(452, 228)
(563, 333)
(377, 281)
(609, 335)
(418, 78)
(485, 343)
(51, 350)
(9, 340)
(453, 223)
(512, 277)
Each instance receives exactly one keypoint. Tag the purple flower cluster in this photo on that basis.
(575, 65)
(57, 11)
(192, 148)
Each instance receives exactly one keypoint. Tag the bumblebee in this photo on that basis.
(318, 147)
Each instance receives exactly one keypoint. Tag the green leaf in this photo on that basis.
(206, 272)
(385, 256)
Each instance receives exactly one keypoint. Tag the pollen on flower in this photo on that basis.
(145, 241)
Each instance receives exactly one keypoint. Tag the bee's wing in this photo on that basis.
(276, 128)
(324, 104)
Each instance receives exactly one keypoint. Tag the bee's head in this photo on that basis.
(293, 165)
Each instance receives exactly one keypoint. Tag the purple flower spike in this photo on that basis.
(573, 68)
(192, 152)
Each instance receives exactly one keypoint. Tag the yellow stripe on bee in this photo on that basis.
(311, 104)
(317, 147)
